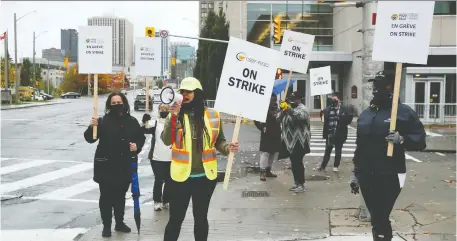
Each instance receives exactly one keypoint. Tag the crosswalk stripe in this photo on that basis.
(323, 149)
(43, 178)
(22, 166)
(323, 144)
(70, 191)
(323, 140)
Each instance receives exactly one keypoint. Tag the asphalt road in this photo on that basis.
(46, 174)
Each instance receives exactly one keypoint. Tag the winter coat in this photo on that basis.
(113, 158)
(344, 119)
(270, 140)
(373, 126)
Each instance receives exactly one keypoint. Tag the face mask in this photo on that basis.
(163, 114)
(117, 109)
(381, 96)
(294, 105)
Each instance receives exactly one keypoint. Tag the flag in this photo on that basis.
(3, 36)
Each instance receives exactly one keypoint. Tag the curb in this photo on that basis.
(31, 105)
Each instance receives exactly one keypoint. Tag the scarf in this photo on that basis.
(332, 124)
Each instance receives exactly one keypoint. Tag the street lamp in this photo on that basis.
(16, 75)
(34, 53)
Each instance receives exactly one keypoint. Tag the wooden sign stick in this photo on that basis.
(94, 128)
(322, 107)
(147, 100)
(228, 169)
(393, 115)
(283, 98)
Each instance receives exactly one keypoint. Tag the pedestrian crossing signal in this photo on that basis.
(277, 30)
(150, 32)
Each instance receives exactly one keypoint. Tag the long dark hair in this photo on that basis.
(198, 106)
(124, 101)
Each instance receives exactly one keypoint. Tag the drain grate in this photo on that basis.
(255, 194)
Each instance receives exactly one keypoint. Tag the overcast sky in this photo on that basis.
(180, 18)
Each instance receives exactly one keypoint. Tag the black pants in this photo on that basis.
(298, 169)
(200, 189)
(161, 171)
(380, 193)
(112, 196)
(328, 152)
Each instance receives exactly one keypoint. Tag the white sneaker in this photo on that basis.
(335, 169)
(300, 188)
(166, 206)
(157, 206)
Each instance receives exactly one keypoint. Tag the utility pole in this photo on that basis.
(88, 85)
(33, 64)
(48, 77)
(6, 62)
(16, 74)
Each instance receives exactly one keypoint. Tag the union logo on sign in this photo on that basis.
(241, 56)
(394, 16)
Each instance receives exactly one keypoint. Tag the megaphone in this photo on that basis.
(168, 96)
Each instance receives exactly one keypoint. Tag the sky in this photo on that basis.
(178, 17)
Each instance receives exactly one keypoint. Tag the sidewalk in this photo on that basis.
(33, 104)
(327, 211)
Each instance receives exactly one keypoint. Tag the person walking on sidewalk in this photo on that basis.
(335, 131)
(379, 176)
(160, 158)
(295, 126)
(195, 133)
(270, 140)
(120, 136)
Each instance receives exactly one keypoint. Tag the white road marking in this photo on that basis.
(323, 149)
(412, 158)
(70, 191)
(323, 144)
(34, 159)
(352, 128)
(42, 234)
(439, 153)
(432, 134)
(323, 140)
(22, 166)
(43, 178)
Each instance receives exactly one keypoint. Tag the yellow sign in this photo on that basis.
(150, 32)
(277, 30)
(173, 61)
(65, 62)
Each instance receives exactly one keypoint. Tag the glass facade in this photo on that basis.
(445, 8)
(310, 18)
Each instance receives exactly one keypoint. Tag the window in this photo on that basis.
(259, 11)
(210, 5)
(445, 8)
(204, 5)
(221, 4)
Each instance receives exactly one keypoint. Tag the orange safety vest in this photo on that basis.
(181, 148)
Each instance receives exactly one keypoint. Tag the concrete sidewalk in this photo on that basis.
(33, 104)
(327, 211)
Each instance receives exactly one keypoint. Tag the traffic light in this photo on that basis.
(278, 74)
(65, 62)
(150, 32)
(277, 29)
(173, 61)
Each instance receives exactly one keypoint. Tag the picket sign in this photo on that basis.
(95, 57)
(249, 74)
(321, 83)
(403, 36)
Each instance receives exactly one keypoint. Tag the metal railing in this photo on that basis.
(439, 113)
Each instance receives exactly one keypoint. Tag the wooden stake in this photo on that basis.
(94, 128)
(147, 100)
(228, 169)
(322, 107)
(283, 98)
(393, 115)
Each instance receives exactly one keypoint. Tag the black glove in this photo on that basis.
(394, 137)
(146, 117)
(354, 184)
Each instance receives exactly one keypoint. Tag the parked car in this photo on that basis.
(140, 102)
(124, 91)
(73, 95)
(46, 96)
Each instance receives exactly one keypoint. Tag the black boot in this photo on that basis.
(121, 227)
(106, 231)
(269, 173)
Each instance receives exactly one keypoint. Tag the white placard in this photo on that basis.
(403, 30)
(296, 50)
(247, 80)
(95, 50)
(148, 56)
(321, 81)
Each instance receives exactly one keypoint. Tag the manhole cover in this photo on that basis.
(255, 194)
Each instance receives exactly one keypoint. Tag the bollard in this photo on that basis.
(364, 214)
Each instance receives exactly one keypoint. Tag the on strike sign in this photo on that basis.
(296, 51)
(247, 80)
(321, 81)
(403, 30)
(148, 54)
(95, 50)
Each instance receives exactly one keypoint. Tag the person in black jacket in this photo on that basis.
(377, 174)
(270, 140)
(335, 131)
(120, 136)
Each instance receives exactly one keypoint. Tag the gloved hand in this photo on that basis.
(284, 105)
(394, 137)
(146, 117)
(354, 184)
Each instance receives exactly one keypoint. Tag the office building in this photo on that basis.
(185, 60)
(206, 6)
(69, 43)
(166, 54)
(53, 54)
(122, 31)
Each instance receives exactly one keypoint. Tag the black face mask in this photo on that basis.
(117, 110)
(294, 105)
(163, 114)
(381, 96)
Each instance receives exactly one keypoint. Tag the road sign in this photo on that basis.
(163, 33)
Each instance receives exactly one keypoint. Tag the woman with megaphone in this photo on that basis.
(194, 133)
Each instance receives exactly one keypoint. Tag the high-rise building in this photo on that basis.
(166, 53)
(206, 6)
(69, 43)
(122, 31)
